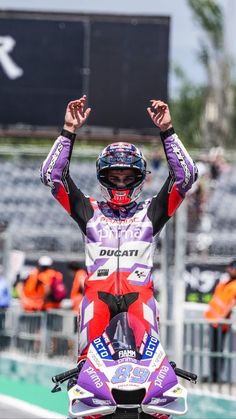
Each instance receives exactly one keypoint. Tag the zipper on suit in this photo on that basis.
(118, 284)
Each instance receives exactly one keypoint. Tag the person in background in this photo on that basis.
(5, 296)
(19, 282)
(77, 289)
(43, 288)
(5, 301)
(220, 308)
(218, 163)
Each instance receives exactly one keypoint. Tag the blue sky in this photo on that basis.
(185, 33)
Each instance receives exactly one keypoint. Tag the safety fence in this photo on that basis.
(53, 334)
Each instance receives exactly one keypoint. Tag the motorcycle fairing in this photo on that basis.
(77, 407)
(102, 373)
(80, 409)
(177, 406)
(96, 399)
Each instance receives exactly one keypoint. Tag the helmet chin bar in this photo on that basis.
(121, 197)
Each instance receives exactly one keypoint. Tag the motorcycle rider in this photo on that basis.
(119, 232)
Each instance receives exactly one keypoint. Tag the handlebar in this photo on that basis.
(184, 374)
(65, 375)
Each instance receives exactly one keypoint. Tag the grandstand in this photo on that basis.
(37, 223)
(222, 210)
(214, 238)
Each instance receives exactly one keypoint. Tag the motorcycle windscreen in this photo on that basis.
(126, 333)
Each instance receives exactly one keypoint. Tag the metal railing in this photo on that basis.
(42, 334)
(53, 334)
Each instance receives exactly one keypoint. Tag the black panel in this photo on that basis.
(50, 53)
(121, 61)
(129, 66)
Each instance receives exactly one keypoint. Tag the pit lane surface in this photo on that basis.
(11, 412)
(11, 408)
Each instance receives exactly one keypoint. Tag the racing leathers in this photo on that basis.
(119, 240)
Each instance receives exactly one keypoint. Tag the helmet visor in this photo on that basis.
(108, 178)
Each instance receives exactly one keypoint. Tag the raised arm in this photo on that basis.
(182, 168)
(183, 171)
(57, 162)
(55, 168)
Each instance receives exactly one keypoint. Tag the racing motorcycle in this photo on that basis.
(125, 374)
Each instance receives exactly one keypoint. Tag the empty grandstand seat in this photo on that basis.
(37, 221)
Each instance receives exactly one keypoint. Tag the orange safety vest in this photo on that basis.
(37, 288)
(76, 294)
(222, 303)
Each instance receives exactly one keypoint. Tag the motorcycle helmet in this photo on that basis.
(121, 156)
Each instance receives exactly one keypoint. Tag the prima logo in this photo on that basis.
(129, 234)
(161, 376)
(94, 377)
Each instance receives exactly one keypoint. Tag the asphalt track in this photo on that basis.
(15, 409)
(11, 412)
